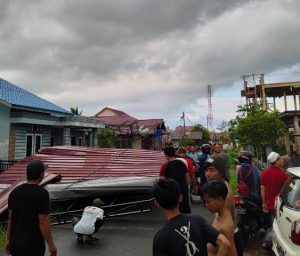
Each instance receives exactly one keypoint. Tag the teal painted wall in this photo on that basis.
(4, 131)
(20, 147)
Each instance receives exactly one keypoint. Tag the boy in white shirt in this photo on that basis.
(90, 222)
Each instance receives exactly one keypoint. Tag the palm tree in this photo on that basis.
(75, 111)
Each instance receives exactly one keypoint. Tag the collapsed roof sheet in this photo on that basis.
(5, 193)
(80, 164)
(76, 164)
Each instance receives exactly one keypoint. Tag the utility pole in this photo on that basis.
(183, 117)
(210, 126)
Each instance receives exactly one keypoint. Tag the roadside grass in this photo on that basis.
(2, 236)
(232, 156)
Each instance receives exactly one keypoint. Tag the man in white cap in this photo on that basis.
(272, 180)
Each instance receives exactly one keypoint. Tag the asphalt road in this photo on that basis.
(126, 236)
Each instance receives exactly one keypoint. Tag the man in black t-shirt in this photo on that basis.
(28, 221)
(183, 235)
(178, 170)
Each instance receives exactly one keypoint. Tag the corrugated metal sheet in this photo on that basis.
(17, 96)
(80, 163)
(75, 164)
(4, 194)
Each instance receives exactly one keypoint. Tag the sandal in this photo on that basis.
(91, 239)
(80, 240)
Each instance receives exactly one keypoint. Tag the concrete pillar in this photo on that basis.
(274, 103)
(287, 143)
(295, 102)
(67, 136)
(296, 132)
(296, 123)
(264, 97)
(285, 103)
(94, 138)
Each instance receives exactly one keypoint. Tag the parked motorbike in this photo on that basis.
(249, 218)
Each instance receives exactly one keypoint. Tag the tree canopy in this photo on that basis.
(256, 127)
(205, 132)
(106, 138)
(75, 111)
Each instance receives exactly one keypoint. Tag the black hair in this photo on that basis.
(166, 192)
(35, 169)
(244, 160)
(215, 189)
(33, 176)
(169, 151)
(205, 148)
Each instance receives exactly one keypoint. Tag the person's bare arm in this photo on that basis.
(7, 243)
(46, 232)
(263, 199)
(228, 232)
(187, 178)
(223, 245)
(230, 202)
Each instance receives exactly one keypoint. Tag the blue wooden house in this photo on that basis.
(28, 122)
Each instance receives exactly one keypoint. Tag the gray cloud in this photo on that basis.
(149, 58)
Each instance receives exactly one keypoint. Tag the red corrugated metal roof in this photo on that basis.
(75, 164)
(81, 163)
(49, 177)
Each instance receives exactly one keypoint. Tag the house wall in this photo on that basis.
(20, 140)
(106, 112)
(4, 131)
(46, 136)
(57, 133)
(137, 142)
(12, 142)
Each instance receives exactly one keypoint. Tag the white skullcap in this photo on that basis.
(272, 157)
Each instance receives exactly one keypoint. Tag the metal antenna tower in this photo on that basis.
(210, 119)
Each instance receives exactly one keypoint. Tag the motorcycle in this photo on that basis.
(249, 218)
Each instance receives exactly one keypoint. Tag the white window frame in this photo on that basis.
(33, 146)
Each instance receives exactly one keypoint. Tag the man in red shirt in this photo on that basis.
(272, 180)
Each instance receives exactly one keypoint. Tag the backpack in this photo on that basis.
(242, 188)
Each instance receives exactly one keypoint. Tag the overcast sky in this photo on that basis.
(149, 58)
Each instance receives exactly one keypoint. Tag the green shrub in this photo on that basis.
(2, 236)
(232, 159)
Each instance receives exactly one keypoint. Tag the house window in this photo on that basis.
(73, 141)
(52, 141)
(125, 142)
(76, 141)
(33, 143)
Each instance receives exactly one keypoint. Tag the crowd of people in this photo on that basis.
(185, 172)
(209, 178)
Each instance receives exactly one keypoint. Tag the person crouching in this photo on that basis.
(90, 222)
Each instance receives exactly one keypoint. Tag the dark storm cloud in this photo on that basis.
(145, 56)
